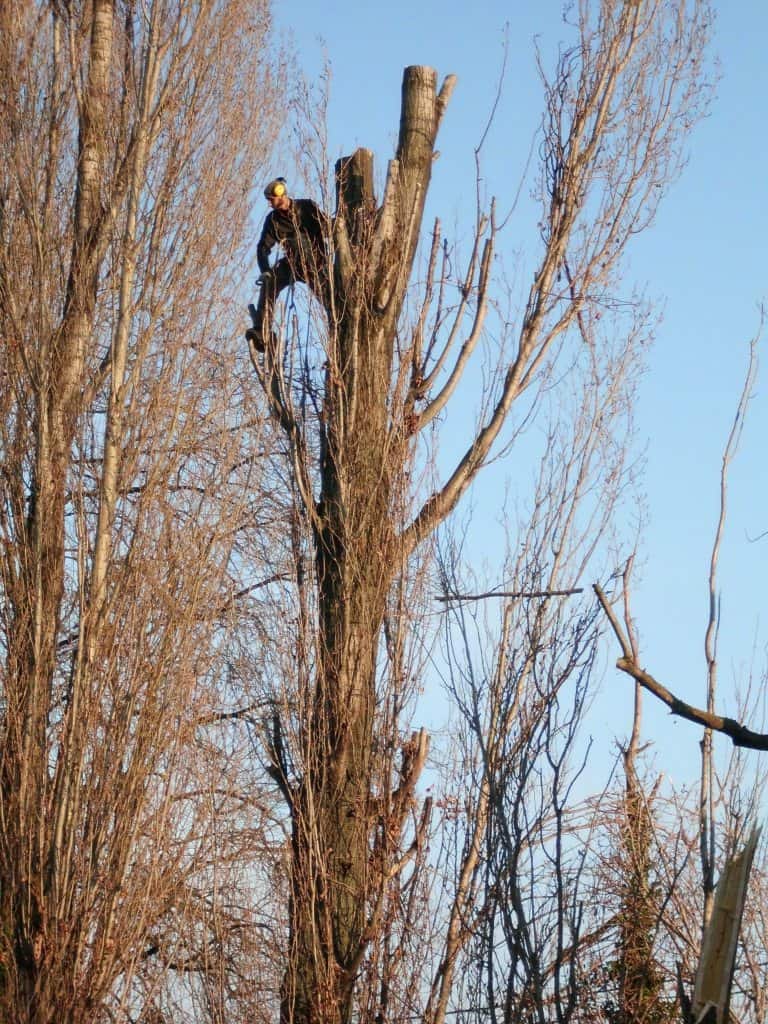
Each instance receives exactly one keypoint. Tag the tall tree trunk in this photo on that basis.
(108, 582)
(356, 559)
(32, 663)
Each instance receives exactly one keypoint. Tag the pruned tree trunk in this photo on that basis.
(357, 556)
(712, 991)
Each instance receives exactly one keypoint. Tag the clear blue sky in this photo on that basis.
(705, 260)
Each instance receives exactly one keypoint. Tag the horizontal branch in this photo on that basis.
(279, 577)
(225, 716)
(523, 594)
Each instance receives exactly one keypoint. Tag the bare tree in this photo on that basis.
(524, 927)
(353, 405)
(123, 204)
(726, 804)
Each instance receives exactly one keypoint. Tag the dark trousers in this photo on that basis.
(282, 276)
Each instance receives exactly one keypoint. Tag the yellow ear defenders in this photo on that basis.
(275, 189)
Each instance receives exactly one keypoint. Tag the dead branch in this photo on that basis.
(740, 735)
(521, 594)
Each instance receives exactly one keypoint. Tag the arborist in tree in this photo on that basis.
(301, 229)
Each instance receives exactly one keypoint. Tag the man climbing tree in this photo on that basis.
(300, 228)
(337, 740)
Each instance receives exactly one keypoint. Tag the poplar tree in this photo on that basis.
(354, 407)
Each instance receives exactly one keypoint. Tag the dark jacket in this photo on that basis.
(301, 230)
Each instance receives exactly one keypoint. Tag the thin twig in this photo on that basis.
(524, 594)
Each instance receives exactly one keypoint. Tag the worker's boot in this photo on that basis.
(256, 338)
(255, 335)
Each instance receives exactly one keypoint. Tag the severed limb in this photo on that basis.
(739, 734)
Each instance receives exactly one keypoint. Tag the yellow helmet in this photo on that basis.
(275, 189)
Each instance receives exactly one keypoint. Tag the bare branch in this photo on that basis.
(522, 594)
(740, 735)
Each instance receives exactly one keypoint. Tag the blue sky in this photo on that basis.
(704, 260)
